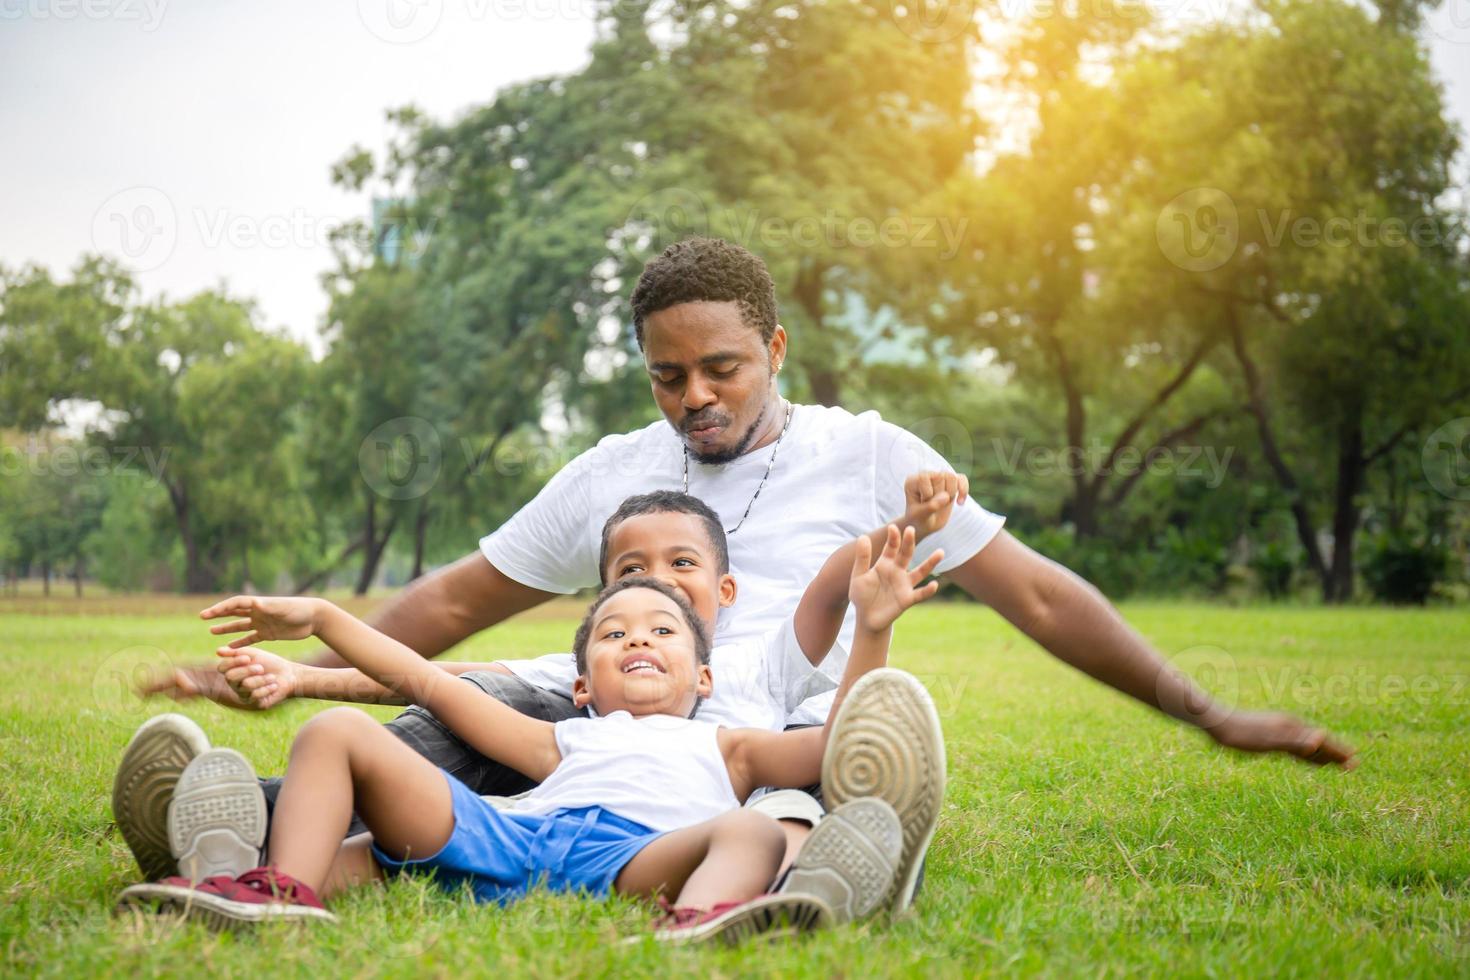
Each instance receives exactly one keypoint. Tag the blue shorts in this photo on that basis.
(502, 854)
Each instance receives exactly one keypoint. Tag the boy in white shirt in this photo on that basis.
(643, 654)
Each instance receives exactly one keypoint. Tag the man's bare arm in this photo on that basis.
(430, 616)
(1073, 621)
(447, 606)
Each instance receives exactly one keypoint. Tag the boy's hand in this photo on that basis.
(262, 680)
(929, 499)
(881, 593)
(268, 618)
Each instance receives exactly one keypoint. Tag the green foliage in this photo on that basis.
(1274, 564)
(1404, 570)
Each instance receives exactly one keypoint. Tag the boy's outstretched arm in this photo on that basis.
(497, 731)
(881, 591)
(929, 498)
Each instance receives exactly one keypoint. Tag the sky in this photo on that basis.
(194, 141)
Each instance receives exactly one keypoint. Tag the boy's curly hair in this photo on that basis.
(707, 270)
(584, 631)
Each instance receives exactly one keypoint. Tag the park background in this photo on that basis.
(1182, 285)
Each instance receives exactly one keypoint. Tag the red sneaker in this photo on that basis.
(258, 895)
(769, 916)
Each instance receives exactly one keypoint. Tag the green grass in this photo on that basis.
(1081, 833)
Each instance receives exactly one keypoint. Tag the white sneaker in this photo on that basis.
(850, 860)
(886, 742)
(144, 784)
(216, 822)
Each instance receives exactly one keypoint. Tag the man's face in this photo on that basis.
(675, 549)
(641, 658)
(713, 377)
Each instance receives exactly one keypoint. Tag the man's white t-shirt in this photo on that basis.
(836, 475)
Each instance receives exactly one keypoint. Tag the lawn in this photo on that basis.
(1081, 833)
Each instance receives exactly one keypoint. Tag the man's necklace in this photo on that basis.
(762, 485)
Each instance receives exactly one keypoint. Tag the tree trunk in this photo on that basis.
(315, 578)
(1082, 507)
(46, 577)
(823, 376)
(198, 578)
(1350, 470)
(1256, 401)
(374, 546)
(420, 532)
(77, 574)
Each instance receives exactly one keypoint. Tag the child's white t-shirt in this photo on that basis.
(660, 771)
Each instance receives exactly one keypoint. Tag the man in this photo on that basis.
(791, 483)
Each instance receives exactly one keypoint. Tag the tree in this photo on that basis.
(194, 387)
(1329, 149)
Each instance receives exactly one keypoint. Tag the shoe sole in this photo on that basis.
(769, 917)
(886, 742)
(216, 911)
(156, 756)
(216, 822)
(850, 860)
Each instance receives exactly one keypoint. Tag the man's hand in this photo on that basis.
(883, 591)
(267, 618)
(259, 679)
(1269, 731)
(186, 683)
(929, 499)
